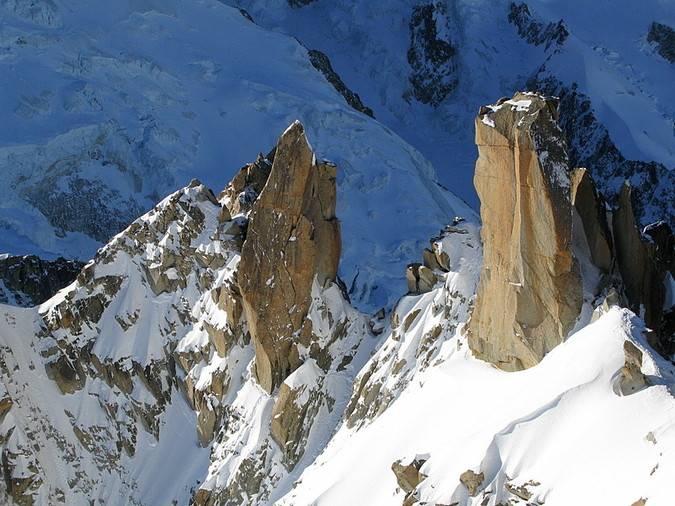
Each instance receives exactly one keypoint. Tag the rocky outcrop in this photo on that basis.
(296, 406)
(472, 481)
(433, 58)
(643, 265)
(420, 278)
(530, 288)
(293, 237)
(240, 194)
(663, 38)
(321, 62)
(589, 145)
(631, 378)
(409, 476)
(590, 207)
(421, 326)
(30, 280)
(533, 31)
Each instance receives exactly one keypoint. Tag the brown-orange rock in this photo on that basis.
(530, 289)
(293, 237)
(591, 209)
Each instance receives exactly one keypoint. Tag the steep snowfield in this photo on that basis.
(113, 106)
(605, 53)
(560, 425)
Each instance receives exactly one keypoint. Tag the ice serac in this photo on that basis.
(530, 289)
(293, 237)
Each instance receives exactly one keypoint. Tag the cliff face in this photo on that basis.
(208, 355)
(644, 262)
(293, 237)
(530, 288)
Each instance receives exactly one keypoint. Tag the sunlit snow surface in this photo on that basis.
(560, 424)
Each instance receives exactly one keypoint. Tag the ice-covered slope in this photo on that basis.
(425, 67)
(109, 107)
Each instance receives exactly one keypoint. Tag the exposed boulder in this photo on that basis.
(590, 207)
(420, 278)
(472, 481)
(408, 474)
(530, 289)
(293, 237)
(631, 378)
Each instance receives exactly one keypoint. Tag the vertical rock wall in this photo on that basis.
(293, 236)
(530, 289)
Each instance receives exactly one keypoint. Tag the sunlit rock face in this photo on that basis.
(293, 237)
(530, 288)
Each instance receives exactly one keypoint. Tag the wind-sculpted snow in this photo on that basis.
(111, 106)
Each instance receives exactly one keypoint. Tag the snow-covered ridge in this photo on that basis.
(137, 383)
(533, 437)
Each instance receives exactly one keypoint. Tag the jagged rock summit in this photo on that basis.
(293, 238)
(530, 289)
(218, 319)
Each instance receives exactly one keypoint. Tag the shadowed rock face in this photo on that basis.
(534, 31)
(433, 59)
(590, 145)
(293, 236)
(530, 289)
(663, 37)
(321, 62)
(643, 265)
(591, 209)
(29, 280)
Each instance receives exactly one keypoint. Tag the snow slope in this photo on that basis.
(559, 428)
(113, 106)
